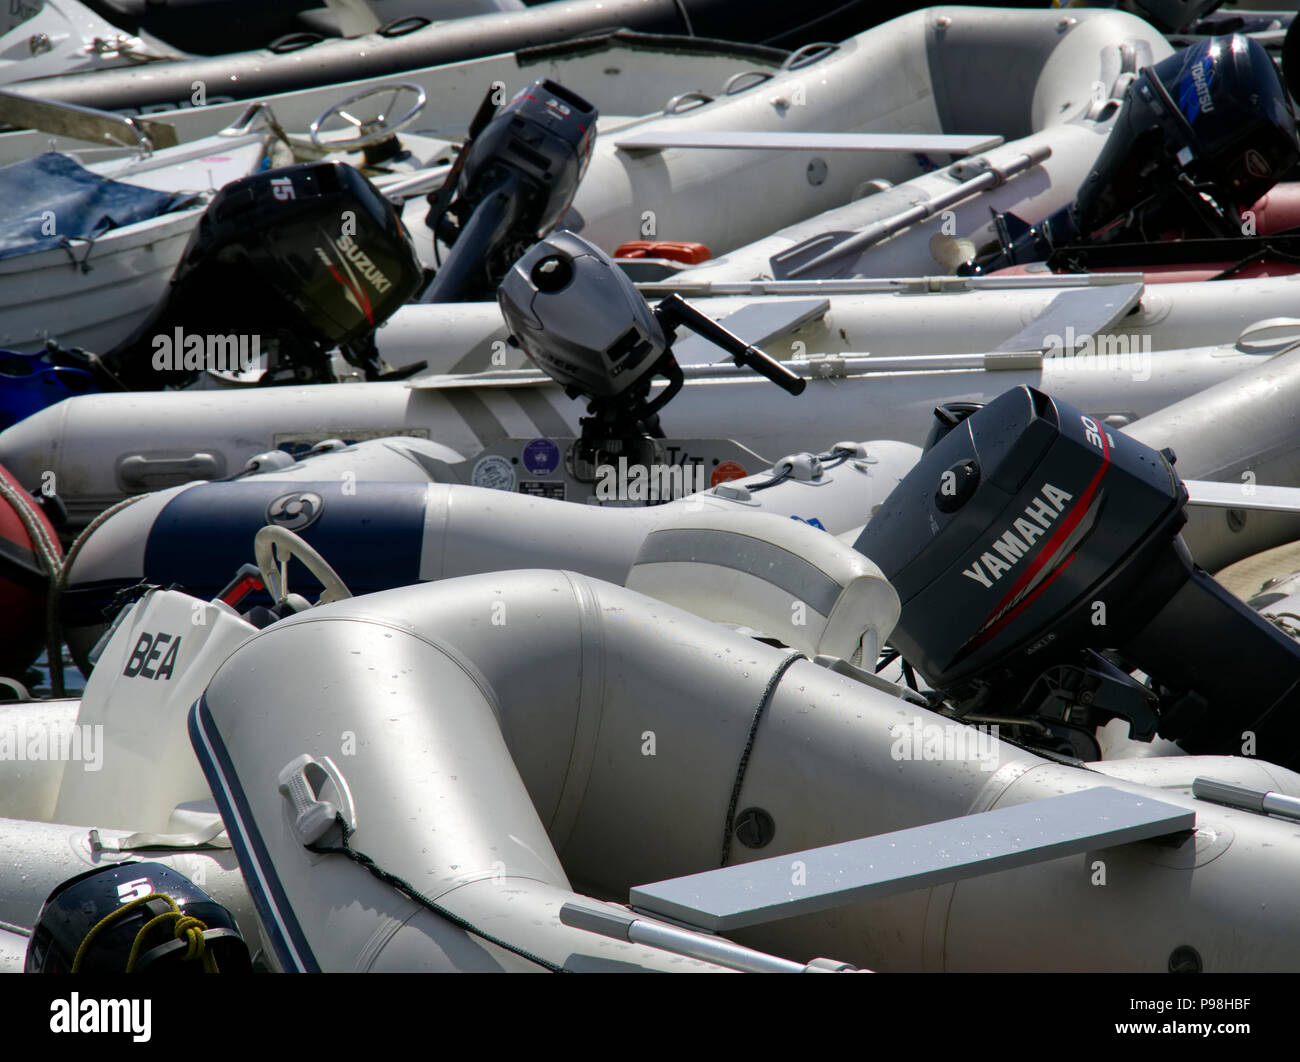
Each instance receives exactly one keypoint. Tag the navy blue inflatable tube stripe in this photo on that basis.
(278, 919)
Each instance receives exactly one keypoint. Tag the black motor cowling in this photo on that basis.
(1214, 116)
(1199, 138)
(305, 258)
(86, 925)
(1034, 550)
(513, 183)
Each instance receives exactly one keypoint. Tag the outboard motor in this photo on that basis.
(511, 184)
(283, 266)
(134, 918)
(1200, 137)
(582, 321)
(1168, 16)
(1038, 559)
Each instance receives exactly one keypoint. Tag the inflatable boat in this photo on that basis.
(582, 321)
(63, 36)
(810, 710)
(30, 560)
(391, 512)
(411, 44)
(410, 506)
(791, 319)
(89, 272)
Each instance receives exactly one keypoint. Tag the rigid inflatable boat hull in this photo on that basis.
(572, 687)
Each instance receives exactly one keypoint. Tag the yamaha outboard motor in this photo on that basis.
(582, 321)
(1200, 137)
(134, 918)
(510, 185)
(1038, 559)
(283, 266)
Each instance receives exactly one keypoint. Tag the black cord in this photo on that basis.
(770, 482)
(728, 828)
(406, 889)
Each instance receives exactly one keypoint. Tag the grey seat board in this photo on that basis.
(1079, 313)
(957, 144)
(763, 890)
(755, 323)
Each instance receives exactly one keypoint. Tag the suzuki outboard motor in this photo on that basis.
(1038, 559)
(511, 185)
(283, 266)
(582, 321)
(1201, 136)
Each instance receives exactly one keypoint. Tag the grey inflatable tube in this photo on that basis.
(514, 741)
(248, 75)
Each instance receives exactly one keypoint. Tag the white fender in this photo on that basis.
(782, 577)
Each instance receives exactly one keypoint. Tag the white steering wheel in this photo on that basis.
(274, 547)
(369, 130)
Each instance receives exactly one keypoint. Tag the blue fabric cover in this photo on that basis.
(85, 205)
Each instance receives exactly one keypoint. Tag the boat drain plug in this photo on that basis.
(754, 828)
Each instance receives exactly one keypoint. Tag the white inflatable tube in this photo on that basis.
(520, 749)
(102, 447)
(1243, 431)
(198, 535)
(881, 317)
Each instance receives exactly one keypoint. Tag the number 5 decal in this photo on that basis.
(134, 890)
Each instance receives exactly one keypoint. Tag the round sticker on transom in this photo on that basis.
(494, 472)
(541, 457)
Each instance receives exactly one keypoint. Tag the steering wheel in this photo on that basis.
(369, 130)
(274, 547)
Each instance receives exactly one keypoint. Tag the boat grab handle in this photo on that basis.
(303, 781)
(732, 84)
(674, 105)
(808, 54)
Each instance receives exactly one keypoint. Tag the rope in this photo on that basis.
(686, 17)
(184, 927)
(408, 890)
(53, 630)
(1279, 620)
(728, 827)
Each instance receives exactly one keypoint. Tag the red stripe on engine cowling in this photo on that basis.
(1080, 509)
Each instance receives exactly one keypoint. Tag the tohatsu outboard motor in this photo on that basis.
(582, 322)
(1038, 559)
(1200, 137)
(510, 185)
(283, 267)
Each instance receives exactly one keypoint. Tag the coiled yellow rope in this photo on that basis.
(185, 927)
